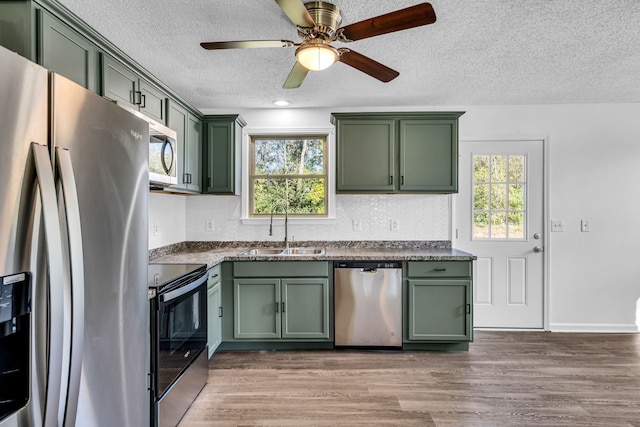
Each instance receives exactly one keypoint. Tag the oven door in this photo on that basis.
(181, 331)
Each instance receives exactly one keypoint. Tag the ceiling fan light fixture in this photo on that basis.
(316, 55)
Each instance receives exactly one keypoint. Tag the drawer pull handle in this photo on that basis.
(214, 276)
(439, 269)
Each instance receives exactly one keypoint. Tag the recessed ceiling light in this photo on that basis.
(281, 102)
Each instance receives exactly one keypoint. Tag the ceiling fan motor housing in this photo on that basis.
(326, 16)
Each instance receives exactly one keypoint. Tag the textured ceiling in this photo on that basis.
(481, 52)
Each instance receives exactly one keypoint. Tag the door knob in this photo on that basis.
(538, 249)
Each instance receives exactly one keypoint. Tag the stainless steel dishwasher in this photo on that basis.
(368, 304)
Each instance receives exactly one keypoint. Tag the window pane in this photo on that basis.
(289, 156)
(303, 195)
(481, 225)
(498, 225)
(516, 225)
(499, 196)
(498, 169)
(516, 197)
(481, 197)
(481, 168)
(516, 168)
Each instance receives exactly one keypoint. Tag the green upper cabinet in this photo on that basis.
(222, 152)
(397, 152)
(37, 34)
(121, 84)
(366, 155)
(66, 52)
(188, 130)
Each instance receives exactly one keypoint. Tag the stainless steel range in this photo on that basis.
(178, 319)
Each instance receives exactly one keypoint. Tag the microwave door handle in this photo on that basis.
(76, 260)
(176, 293)
(163, 150)
(56, 303)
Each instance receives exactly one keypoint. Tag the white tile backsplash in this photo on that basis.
(419, 217)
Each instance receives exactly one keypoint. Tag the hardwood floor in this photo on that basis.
(506, 379)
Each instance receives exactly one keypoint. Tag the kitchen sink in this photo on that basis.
(303, 251)
(282, 251)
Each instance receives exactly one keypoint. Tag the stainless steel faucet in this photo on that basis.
(286, 225)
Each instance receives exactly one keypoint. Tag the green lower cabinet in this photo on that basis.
(439, 310)
(305, 308)
(291, 308)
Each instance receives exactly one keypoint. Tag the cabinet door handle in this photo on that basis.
(219, 311)
(143, 101)
(283, 307)
(137, 97)
(209, 182)
(391, 180)
(468, 308)
(214, 276)
(277, 306)
(402, 180)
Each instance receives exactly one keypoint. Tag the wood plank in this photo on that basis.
(505, 379)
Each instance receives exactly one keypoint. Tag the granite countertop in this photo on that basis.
(213, 253)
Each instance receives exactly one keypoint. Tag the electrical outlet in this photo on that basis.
(209, 225)
(357, 225)
(585, 226)
(557, 225)
(156, 229)
(395, 225)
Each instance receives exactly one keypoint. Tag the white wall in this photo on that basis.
(594, 173)
(167, 219)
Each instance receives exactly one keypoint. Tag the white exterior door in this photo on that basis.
(500, 218)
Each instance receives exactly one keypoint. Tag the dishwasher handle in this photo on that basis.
(367, 265)
(369, 270)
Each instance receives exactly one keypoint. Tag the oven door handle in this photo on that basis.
(176, 293)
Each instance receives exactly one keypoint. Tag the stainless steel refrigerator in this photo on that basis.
(73, 238)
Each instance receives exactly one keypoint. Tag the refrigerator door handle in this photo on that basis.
(53, 243)
(76, 264)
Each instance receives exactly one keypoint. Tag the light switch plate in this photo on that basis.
(557, 225)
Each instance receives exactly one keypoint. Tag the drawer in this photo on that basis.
(214, 276)
(439, 269)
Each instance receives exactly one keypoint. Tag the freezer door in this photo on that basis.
(29, 229)
(108, 149)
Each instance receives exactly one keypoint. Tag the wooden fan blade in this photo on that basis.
(297, 13)
(368, 66)
(414, 16)
(245, 44)
(296, 76)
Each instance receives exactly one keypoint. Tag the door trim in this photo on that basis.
(546, 241)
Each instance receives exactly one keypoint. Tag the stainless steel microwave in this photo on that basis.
(163, 152)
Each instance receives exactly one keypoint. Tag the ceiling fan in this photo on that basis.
(318, 25)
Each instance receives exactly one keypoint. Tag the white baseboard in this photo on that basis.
(594, 327)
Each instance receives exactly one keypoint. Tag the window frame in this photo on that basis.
(249, 133)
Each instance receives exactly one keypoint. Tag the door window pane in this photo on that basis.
(499, 197)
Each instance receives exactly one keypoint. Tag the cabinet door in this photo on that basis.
(193, 154)
(66, 52)
(439, 310)
(305, 308)
(118, 82)
(177, 120)
(214, 323)
(428, 156)
(152, 101)
(220, 157)
(366, 155)
(256, 308)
